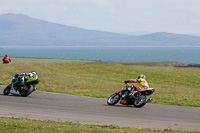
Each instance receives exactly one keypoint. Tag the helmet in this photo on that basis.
(33, 72)
(142, 76)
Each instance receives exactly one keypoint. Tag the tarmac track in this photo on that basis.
(62, 107)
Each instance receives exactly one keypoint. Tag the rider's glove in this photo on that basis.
(125, 82)
(27, 74)
(16, 75)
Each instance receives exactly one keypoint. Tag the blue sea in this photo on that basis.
(125, 54)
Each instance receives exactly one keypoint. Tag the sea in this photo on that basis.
(122, 54)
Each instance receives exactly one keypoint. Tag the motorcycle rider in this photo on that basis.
(6, 59)
(21, 77)
(141, 80)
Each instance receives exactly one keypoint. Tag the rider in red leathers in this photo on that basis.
(6, 59)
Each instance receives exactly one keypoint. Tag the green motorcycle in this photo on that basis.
(21, 85)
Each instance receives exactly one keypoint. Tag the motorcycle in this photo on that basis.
(138, 97)
(16, 88)
(6, 61)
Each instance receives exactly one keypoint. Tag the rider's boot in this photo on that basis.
(149, 100)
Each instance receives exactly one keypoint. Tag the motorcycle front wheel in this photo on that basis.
(7, 90)
(141, 101)
(113, 99)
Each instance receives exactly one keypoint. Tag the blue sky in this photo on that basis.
(121, 16)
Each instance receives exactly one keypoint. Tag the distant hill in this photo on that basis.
(22, 30)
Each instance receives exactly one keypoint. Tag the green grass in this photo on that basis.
(23, 125)
(174, 86)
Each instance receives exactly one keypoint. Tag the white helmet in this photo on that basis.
(33, 72)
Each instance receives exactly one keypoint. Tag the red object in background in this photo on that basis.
(6, 59)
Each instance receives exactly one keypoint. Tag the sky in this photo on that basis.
(120, 16)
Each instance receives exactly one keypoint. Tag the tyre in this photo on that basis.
(113, 99)
(7, 90)
(141, 101)
(28, 92)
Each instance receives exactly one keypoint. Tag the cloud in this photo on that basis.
(112, 10)
(101, 2)
(107, 5)
(104, 5)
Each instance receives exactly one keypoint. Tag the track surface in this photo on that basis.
(61, 107)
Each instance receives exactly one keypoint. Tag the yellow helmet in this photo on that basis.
(142, 76)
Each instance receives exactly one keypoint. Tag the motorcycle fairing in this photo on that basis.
(32, 81)
(13, 91)
(147, 91)
(125, 102)
(14, 80)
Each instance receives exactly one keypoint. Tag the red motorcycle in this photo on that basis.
(131, 96)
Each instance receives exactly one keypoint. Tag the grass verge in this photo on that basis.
(174, 86)
(23, 125)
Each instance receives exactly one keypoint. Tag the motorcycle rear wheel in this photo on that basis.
(28, 92)
(113, 99)
(141, 101)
